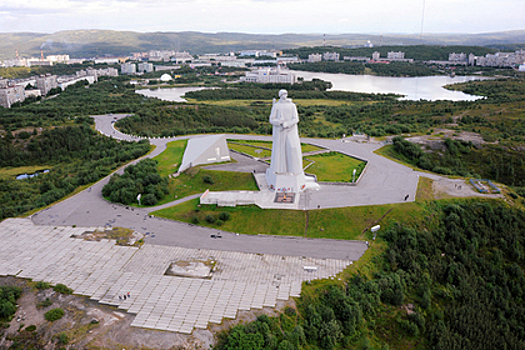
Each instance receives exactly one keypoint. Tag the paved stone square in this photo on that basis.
(107, 272)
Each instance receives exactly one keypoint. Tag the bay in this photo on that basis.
(412, 88)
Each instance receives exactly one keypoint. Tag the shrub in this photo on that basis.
(290, 311)
(60, 288)
(208, 179)
(219, 222)
(149, 199)
(44, 303)
(31, 328)
(63, 338)
(224, 216)
(42, 285)
(54, 314)
(210, 219)
(195, 220)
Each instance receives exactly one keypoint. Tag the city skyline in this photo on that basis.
(264, 16)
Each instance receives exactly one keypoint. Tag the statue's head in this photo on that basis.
(283, 94)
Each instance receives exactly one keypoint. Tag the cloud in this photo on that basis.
(263, 16)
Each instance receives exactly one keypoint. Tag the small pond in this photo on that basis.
(28, 176)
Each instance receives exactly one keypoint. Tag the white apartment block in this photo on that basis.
(269, 75)
(11, 94)
(58, 58)
(45, 83)
(107, 60)
(128, 68)
(330, 56)
(315, 57)
(67, 81)
(145, 67)
(393, 55)
(502, 59)
(457, 57)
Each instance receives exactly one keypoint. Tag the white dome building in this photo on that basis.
(165, 78)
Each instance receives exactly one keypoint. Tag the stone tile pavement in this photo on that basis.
(106, 272)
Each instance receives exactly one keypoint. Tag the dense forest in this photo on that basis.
(191, 119)
(75, 156)
(140, 179)
(462, 158)
(456, 282)
(393, 69)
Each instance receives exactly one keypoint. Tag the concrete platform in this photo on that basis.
(107, 272)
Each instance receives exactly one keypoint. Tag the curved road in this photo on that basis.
(384, 182)
(88, 208)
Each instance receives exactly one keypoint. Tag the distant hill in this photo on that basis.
(89, 43)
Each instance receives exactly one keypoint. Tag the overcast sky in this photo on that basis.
(265, 16)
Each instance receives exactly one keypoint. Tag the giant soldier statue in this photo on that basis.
(286, 169)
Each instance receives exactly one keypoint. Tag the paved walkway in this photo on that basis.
(106, 272)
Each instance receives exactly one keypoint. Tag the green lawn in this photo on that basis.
(10, 173)
(191, 182)
(340, 223)
(251, 150)
(263, 147)
(171, 159)
(244, 219)
(335, 167)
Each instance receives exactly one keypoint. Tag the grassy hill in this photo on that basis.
(88, 43)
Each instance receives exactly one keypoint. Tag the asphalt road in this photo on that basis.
(383, 182)
(88, 208)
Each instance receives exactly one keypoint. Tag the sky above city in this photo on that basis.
(265, 16)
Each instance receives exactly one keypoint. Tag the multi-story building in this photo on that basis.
(58, 58)
(457, 57)
(330, 56)
(113, 60)
(393, 55)
(269, 75)
(45, 83)
(502, 59)
(66, 81)
(315, 57)
(376, 56)
(11, 94)
(128, 68)
(145, 67)
(356, 58)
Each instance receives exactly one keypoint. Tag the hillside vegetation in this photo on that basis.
(89, 43)
(453, 282)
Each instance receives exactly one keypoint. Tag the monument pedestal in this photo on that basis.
(285, 182)
(290, 183)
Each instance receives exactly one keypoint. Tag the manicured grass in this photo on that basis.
(335, 167)
(244, 219)
(171, 159)
(340, 223)
(253, 151)
(250, 147)
(6, 173)
(191, 182)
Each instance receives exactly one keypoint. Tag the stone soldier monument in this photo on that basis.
(286, 168)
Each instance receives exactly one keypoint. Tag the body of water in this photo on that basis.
(171, 94)
(28, 176)
(417, 88)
